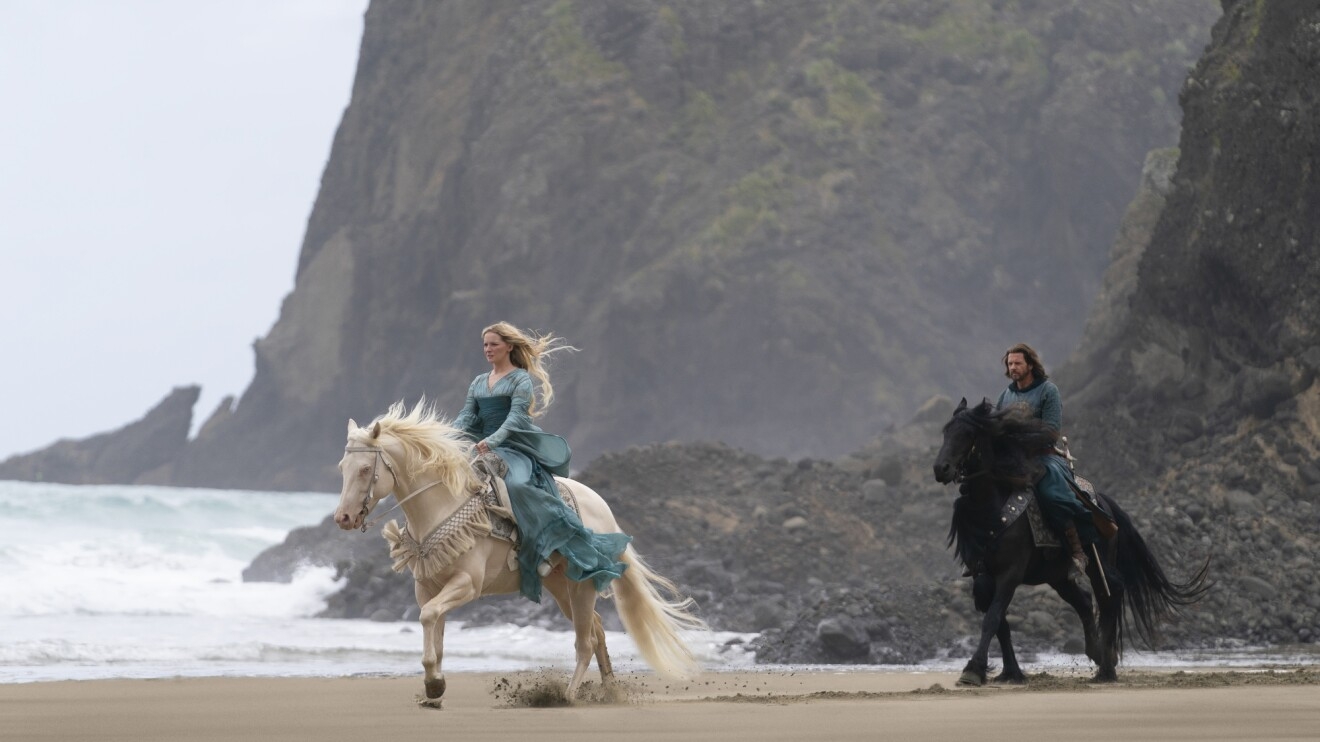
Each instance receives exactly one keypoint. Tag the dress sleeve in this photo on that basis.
(518, 419)
(1000, 404)
(467, 419)
(1051, 407)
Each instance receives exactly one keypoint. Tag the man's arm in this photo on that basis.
(1051, 407)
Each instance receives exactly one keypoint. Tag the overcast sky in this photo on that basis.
(158, 161)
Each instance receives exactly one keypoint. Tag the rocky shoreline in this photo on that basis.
(845, 561)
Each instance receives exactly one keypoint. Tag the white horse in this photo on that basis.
(446, 542)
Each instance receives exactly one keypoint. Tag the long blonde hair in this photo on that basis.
(530, 353)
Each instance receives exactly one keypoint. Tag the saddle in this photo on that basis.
(1023, 502)
(491, 469)
(1101, 515)
(1085, 492)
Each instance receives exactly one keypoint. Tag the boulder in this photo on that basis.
(844, 638)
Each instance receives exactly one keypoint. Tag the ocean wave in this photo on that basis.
(110, 550)
(147, 582)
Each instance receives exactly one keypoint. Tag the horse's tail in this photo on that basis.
(1148, 594)
(653, 621)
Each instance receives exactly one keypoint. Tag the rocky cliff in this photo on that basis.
(780, 225)
(1192, 400)
(142, 452)
(1204, 408)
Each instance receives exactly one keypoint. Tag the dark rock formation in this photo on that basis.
(320, 546)
(141, 452)
(1193, 397)
(1204, 409)
(1193, 401)
(780, 225)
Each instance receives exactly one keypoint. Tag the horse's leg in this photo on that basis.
(1080, 600)
(582, 598)
(459, 590)
(1011, 673)
(558, 588)
(602, 653)
(431, 645)
(1006, 582)
(1111, 612)
(1012, 558)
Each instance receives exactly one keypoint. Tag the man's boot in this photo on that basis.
(1078, 556)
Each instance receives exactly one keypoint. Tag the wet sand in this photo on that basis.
(1283, 703)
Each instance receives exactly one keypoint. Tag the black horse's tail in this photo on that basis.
(1148, 594)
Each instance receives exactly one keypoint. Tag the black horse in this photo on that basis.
(992, 454)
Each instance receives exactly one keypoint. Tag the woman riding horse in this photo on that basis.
(498, 415)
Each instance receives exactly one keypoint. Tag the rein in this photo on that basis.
(369, 500)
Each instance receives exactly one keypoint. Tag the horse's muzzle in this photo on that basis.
(944, 472)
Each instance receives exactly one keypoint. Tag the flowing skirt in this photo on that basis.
(547, 525)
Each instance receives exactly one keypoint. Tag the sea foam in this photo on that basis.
(143, 582)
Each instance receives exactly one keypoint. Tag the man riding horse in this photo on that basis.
(1055, 489)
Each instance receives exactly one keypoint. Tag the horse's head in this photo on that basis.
(415, 452)
(960, 436)
(368, 475)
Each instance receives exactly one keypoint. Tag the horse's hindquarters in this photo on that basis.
(592, 508)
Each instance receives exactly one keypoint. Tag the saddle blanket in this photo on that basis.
(503, 525)
(1042, 534)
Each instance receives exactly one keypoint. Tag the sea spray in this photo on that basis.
(145, 582)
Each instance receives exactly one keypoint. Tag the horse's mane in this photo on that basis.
(1018, 436)
(1014, 425)
(430, 443)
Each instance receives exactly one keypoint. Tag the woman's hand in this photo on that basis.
(482, 448)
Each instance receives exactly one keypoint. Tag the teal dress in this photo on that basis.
(498, 415)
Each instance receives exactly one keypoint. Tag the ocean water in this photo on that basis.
(146, 582)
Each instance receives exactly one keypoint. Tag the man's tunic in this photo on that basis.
(1042, 398)
(1058, 503)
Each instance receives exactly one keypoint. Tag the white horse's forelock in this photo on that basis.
(431, 443)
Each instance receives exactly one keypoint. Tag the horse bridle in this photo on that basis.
(369, 500)
(961, 474)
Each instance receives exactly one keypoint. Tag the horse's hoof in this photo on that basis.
(1011, 678)
(1105, 676)
(970, 679)
(435, 688)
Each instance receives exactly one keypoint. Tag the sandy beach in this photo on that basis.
(1201, 705)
